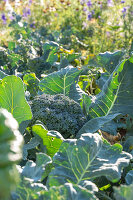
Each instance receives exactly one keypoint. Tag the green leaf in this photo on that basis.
(35, 171)
(12, 98)
(109, 60)
(129, 177)
(13, 59)
(50, 52)
(93, 125)
(30, 145)
(77, 94)
(102, 80)
(128, 144)
(123, 192)
(87, 158)
(2, 74)
(32, 83)
(69, 191)
(11, 45)
(59, 82)
(51, 139)
(28, 190)
(117, 92)
(10, 153)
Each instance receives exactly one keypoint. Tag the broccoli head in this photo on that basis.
(58, 112)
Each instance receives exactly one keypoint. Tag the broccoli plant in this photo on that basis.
(58, 112)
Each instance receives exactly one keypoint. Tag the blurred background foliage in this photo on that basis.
(87, 26)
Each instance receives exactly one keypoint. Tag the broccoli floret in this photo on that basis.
(58, 112)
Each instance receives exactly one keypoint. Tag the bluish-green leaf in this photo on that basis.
(35, 171)
(87, 158)
(109, 60)
(97, 123)
(2, 74)
(69, 191)
(129, 177)
(123, 192)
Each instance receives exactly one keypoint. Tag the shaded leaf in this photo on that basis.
(30, 145)
(129, 177)
(32, 83)
(35, 171)
(109, 60)
(124, 192)
(95, 124)
(2, 74)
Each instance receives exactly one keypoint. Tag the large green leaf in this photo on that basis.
(10, 153)
(109, 60)
(12, 98)
(93, 125)
(124, 192)
(87, 158)
(59, 82)
(51, 139)
(117, 93)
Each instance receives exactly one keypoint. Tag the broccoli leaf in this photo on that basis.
(129, 177)
(36, 171)
(59, 82)
(69, 191)
(2, 74)
(10, 153)
(32, 83)
(28, 190)
(109, 60)
(97, 123)
(12, 98)
(51, 139)
(87, 158)
(117, 93)
(124, 192)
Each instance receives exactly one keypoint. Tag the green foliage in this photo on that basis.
(68, 191)
(37, 171)
(12, 98)
(116, 94)
(51, 139)
(57, 42)
(124, 192)
(10, 153)
(95, 124)
(59, 82)
(86, 159)
(31, 82)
